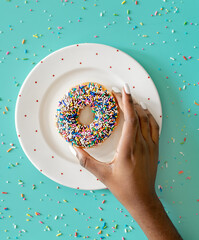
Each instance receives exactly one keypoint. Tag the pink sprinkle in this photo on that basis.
(59, 27)
(129, 18)
(95, 36)
(41, 222)
(189, 57)
(31, 10)
(156, 13)
(100, 208)
(103, 201)
(7, 53)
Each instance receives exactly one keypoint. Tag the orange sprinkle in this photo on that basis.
(6, 108)
(76, 209)
(196, 103)
(23, 41)
(9, 149)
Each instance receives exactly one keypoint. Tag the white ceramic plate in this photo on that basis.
(47, 83)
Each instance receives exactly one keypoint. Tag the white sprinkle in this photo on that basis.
(172, 58)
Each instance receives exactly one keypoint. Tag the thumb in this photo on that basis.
(100, 169)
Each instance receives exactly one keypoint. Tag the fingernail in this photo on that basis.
(116, 90)
(72, 150)
(143, 105)
(127, 88)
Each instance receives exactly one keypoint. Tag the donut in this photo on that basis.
(104, 106)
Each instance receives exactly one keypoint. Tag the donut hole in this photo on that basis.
(86, 116)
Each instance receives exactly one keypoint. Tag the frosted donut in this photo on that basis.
(104, 107)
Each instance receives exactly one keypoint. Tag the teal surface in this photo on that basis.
(159, 45)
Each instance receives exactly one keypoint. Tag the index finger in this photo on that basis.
(131, 121)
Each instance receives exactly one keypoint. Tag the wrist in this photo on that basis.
(154, 221)
(145, 205)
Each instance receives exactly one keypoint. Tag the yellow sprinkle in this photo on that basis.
(65, 200)
(97, 227)
(28, 215)
(23, 41)
(28, 220)
(107, 235)
(123, 2)
(59, 234)
(35, 36)
(144, 35)
(141, 23)
(158, 32)
(6, 108)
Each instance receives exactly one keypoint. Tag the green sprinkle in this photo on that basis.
(115, 14)
(128, 11)
(25, 58)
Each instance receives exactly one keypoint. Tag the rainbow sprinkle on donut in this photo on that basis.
(103, 105)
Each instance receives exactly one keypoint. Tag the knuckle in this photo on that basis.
(83, 161)
(156, 127)
(130, 100)
(145, 119)
(132, 120)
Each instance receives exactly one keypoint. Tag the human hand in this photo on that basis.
(130, 176)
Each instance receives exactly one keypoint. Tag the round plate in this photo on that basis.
(47, 83)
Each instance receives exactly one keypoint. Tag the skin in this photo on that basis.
(131, 175)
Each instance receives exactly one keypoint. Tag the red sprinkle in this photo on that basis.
(184, 58)
(180, 172)
(4, 193)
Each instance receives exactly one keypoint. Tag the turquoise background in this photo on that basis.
(180, 192)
